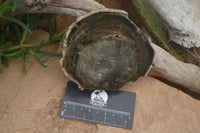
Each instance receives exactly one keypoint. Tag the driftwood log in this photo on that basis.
(69, 7)
(164, 65)
(182, 20)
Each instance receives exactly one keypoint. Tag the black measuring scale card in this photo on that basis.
(113, 108)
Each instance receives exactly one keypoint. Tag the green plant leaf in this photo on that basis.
(61, 34)
(40, 46)
(35, 56)
(2, 38)
(57, 38)
(24, 64)
(39, 23)
(17, 22)
(55, 24)
(0, 65)
(5, 62)
(12, 41)
(11, 58)
(101, 2)
(33, 16)
(19, 36)
(49, 53)
(5, 48)
(5, 4)
(17, 53)
(51, 31)
(7, 57)
(5, 10)
(15, 5)
(1, 2)
(39, 61)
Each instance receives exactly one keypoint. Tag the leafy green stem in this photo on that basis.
(24, 64)
(56, 38)
(23, 38)
(5, 4)
(101, 2)
(0, 61)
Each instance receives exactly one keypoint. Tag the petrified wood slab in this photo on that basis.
(105, 50)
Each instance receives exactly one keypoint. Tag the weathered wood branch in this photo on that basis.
(184, 74)
(182, 20)
(69, 7)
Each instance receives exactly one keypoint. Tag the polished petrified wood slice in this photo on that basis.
(105, 50)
